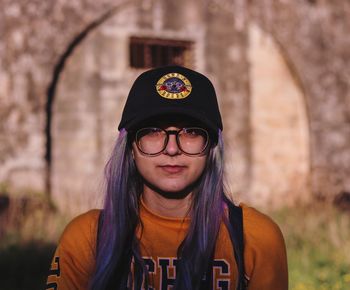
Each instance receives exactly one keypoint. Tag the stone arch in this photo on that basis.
(280, 124)
(52, 88)
(92, 92)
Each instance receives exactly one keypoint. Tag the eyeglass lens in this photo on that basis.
(153, 141)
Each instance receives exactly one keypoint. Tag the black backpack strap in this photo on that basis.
(99, 226)
(236, 222)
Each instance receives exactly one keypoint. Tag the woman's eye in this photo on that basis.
(154, 131)
(191, 132)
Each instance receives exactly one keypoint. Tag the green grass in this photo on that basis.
(318, 247)
(29, 230)
(317, 238)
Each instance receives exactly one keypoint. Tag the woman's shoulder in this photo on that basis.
(259, 228)
(84, 221)
(265, 253)
(74, 258)
(82, 227)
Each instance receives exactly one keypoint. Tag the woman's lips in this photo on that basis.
(172, 168)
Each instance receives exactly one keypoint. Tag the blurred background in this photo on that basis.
(281, 69)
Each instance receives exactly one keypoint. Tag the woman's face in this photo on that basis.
(171, 171)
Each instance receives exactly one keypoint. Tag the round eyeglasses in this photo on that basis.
(153, 141)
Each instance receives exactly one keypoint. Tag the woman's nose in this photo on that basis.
(172, 148)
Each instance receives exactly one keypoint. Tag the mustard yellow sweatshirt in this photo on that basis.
(264, 252)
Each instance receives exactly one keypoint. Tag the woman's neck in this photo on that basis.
(169, 207)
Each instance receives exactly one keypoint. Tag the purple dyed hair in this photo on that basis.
(117, 244)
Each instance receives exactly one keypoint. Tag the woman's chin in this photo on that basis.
(174, 191)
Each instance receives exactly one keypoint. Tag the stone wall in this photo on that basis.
(308, 40)
(313, 36)
(34, 36)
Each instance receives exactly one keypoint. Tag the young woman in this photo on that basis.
(166, 221)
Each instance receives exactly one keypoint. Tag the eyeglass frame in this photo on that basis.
(176, 133)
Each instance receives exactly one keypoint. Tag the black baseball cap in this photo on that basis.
(172, 90)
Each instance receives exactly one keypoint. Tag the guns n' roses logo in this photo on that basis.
(174, 86)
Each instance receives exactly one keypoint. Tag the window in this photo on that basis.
(153, 52)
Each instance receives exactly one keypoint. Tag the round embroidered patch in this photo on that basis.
(174, 86)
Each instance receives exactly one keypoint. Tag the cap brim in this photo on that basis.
(137, 120)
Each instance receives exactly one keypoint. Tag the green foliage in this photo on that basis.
(318, 245)
(30, 219)
(4, 188)
(317, 238)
